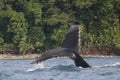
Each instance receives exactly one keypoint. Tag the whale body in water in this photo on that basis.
(67, 49)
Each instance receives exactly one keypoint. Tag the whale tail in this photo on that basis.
(71, 39)
(79, 61)
(68, 49)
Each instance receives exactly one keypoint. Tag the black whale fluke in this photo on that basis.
(68, 49)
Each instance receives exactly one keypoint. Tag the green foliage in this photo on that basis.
(1, 40)
(27, 25)
(37, 36)
(33, 13)
(7, 48)
(84, 3)
(18, 26)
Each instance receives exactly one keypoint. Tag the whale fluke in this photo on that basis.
(54, 53)
(71, 38)
(68, 49)
(63, 52)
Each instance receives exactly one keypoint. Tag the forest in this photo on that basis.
(34, 26)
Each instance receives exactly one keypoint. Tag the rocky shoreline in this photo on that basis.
(12, 56)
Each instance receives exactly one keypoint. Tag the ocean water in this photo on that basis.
(103, 68)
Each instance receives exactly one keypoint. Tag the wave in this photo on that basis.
(36, 67)
(113, 64)
(69, 67)
(109, 65)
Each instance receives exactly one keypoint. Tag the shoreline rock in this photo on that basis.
(13, 56)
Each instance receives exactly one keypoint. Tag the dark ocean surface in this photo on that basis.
(103, 68)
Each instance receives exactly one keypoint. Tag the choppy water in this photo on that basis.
(61, 69)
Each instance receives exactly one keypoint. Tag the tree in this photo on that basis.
(18, 26)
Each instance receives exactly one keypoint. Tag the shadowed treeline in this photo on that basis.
(32, 26)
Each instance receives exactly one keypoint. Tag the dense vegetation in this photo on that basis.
(30, 26)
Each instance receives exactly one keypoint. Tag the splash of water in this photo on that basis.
(36, 66)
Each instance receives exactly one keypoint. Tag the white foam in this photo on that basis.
(113, 64)
(36, 66)
(80, 67)
(79, 35)
(109, 65)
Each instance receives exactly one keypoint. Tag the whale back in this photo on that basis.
(71, 39)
